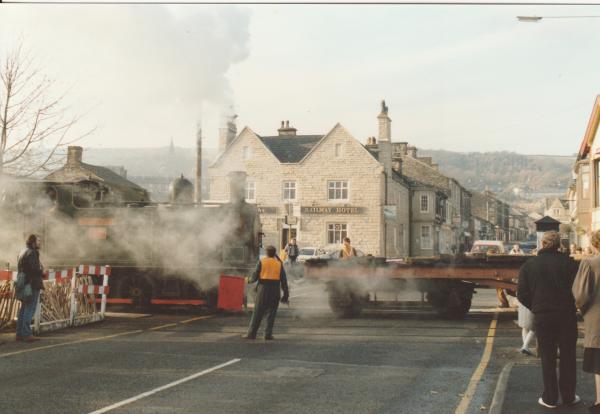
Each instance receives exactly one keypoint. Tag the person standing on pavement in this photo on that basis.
(29, 264)
(544, 287)
(347, 251)
(586, 290)
(271, 277)
(291, 250)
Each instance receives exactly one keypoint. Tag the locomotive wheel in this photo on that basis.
(344, 301)
(138, 290)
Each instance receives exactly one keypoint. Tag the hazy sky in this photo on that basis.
(466, 78)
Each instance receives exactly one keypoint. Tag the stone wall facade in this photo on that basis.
(311, 216)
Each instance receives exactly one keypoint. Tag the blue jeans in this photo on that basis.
(25, 315)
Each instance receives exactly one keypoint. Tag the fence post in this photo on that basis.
(105, 287)
(73, 301)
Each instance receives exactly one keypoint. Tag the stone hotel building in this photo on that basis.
(320, 188)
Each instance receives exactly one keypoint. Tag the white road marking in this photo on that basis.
(164, 387)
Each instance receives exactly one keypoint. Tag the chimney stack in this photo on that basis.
(198, 183)
(402, 148)
(412, 151)
(227, 133)
(385, 124)
(74, 155)
(286, 130)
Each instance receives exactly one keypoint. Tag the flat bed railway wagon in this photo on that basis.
(446, 283)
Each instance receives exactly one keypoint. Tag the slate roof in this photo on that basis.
(417, 171)
(290, 149)
(110, 176)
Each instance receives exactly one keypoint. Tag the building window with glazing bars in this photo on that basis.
(250, 191)
(336, 232)
(426, 241)
(424, 204)
(289, 190)
(337, 190)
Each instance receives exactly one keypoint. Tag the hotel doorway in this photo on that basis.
(287, 233)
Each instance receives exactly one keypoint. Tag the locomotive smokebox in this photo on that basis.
(237, 186)
(181, 191)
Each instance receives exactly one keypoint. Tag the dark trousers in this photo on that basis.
(557, 331)
(266, 302)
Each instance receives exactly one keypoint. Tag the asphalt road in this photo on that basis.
(386, 361)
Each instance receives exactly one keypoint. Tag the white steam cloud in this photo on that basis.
(144, 72)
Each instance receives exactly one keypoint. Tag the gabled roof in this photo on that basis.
(110, 176)
(292, 148)
(590, 131)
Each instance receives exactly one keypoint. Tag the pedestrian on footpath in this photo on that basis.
(270, 275)
(586, 290)
(525, 321)
(291, 250)
(544, 287)
(29, 264)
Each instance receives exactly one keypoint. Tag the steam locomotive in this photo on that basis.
(160, 253)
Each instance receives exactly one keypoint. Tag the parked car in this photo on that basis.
(487, 247)
(306, 253)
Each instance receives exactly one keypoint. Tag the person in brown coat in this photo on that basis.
(586, 290)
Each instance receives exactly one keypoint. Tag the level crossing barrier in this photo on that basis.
(69, 298)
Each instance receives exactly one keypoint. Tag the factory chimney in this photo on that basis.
(198, 183)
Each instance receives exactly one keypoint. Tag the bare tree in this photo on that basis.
(34, 126)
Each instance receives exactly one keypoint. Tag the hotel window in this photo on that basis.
(338, 150)
(426, 241)
(336, 232)
(585, 180)
(289, 190)
(337, 190)
(424, 204)
(250, 191)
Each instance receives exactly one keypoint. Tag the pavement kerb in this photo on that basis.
(500, 392)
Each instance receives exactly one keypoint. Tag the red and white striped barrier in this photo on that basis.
(91, 270)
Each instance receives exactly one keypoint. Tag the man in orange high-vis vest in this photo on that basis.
(271, 277)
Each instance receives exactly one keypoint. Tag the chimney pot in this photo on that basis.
(282, 124)
(74, 155)
(287, 124)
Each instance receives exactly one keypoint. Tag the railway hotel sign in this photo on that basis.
(332, 210)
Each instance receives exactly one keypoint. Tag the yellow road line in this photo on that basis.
(156, 328)
(476, 377)
(99, 338)
(39, 348)
(197, 318)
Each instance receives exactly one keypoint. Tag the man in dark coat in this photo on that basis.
(292, 251)
(271, 278)
(29, 264)
(544, 287)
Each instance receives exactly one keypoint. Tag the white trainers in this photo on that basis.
(576, 400)
(543, 404)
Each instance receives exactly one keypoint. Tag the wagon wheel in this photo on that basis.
(344, 301)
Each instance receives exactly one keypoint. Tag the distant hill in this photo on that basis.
(513, 177)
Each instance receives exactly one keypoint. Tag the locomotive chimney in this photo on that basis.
(237, 186)
(74, 155)
(198, 183)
